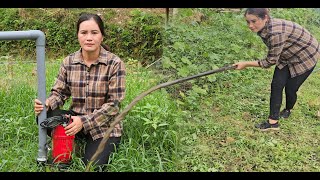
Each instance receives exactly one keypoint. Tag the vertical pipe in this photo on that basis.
(40, 50)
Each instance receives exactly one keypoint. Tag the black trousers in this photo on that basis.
(281, 79)
(90, 145)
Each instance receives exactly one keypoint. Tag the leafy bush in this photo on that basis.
(140, 38)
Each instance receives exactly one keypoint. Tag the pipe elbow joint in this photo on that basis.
(39, 36)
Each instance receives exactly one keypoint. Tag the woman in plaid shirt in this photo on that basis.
(293, 51)
(95, 79)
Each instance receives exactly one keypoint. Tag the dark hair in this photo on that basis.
(259, 12)
(98, 20)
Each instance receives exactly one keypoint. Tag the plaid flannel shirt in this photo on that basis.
(94, 91)
(289, 45)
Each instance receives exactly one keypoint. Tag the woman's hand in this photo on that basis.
(240, 65)
(38, 107)
(74, 127)
(244, 64)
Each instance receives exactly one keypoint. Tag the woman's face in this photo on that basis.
(255, 23)
(90, 36)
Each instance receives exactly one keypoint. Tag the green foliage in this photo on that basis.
(58, 26)
(140, 38)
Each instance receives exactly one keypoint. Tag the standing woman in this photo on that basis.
(95, 79)
(293, 51)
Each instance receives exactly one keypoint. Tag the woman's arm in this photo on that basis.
(244, 64)
(116, 93)
(60, 92)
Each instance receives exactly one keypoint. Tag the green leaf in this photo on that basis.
(199, 90)
(166, 63)
(184, 71)
(180, 102)
(182, 94)
(179, 46)
(212, 78)
(186, 60)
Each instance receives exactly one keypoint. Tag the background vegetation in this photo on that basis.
(204, 125)
(132, 33)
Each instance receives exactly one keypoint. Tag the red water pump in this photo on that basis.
(62, 144)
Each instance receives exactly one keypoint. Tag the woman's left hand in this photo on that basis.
(74, 127)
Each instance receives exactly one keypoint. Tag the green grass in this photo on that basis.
(149, 128)
(224, 139)
(160, 138)
(218, 131)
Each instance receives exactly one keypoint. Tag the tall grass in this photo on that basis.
(148, 144)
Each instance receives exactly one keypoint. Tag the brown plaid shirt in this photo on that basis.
(94, 91)
(289, 44)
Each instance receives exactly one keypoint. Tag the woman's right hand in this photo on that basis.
(240, 65)
(38, 107)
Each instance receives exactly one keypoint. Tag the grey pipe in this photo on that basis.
(39, 36)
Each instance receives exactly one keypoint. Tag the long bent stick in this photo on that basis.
(138, 98)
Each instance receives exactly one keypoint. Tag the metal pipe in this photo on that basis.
(39, 36)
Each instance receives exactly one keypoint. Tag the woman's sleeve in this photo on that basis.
(60, 92)
(116, 94)
(276, 43)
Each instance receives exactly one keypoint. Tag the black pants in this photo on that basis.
(281, 79)
(90, 145)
